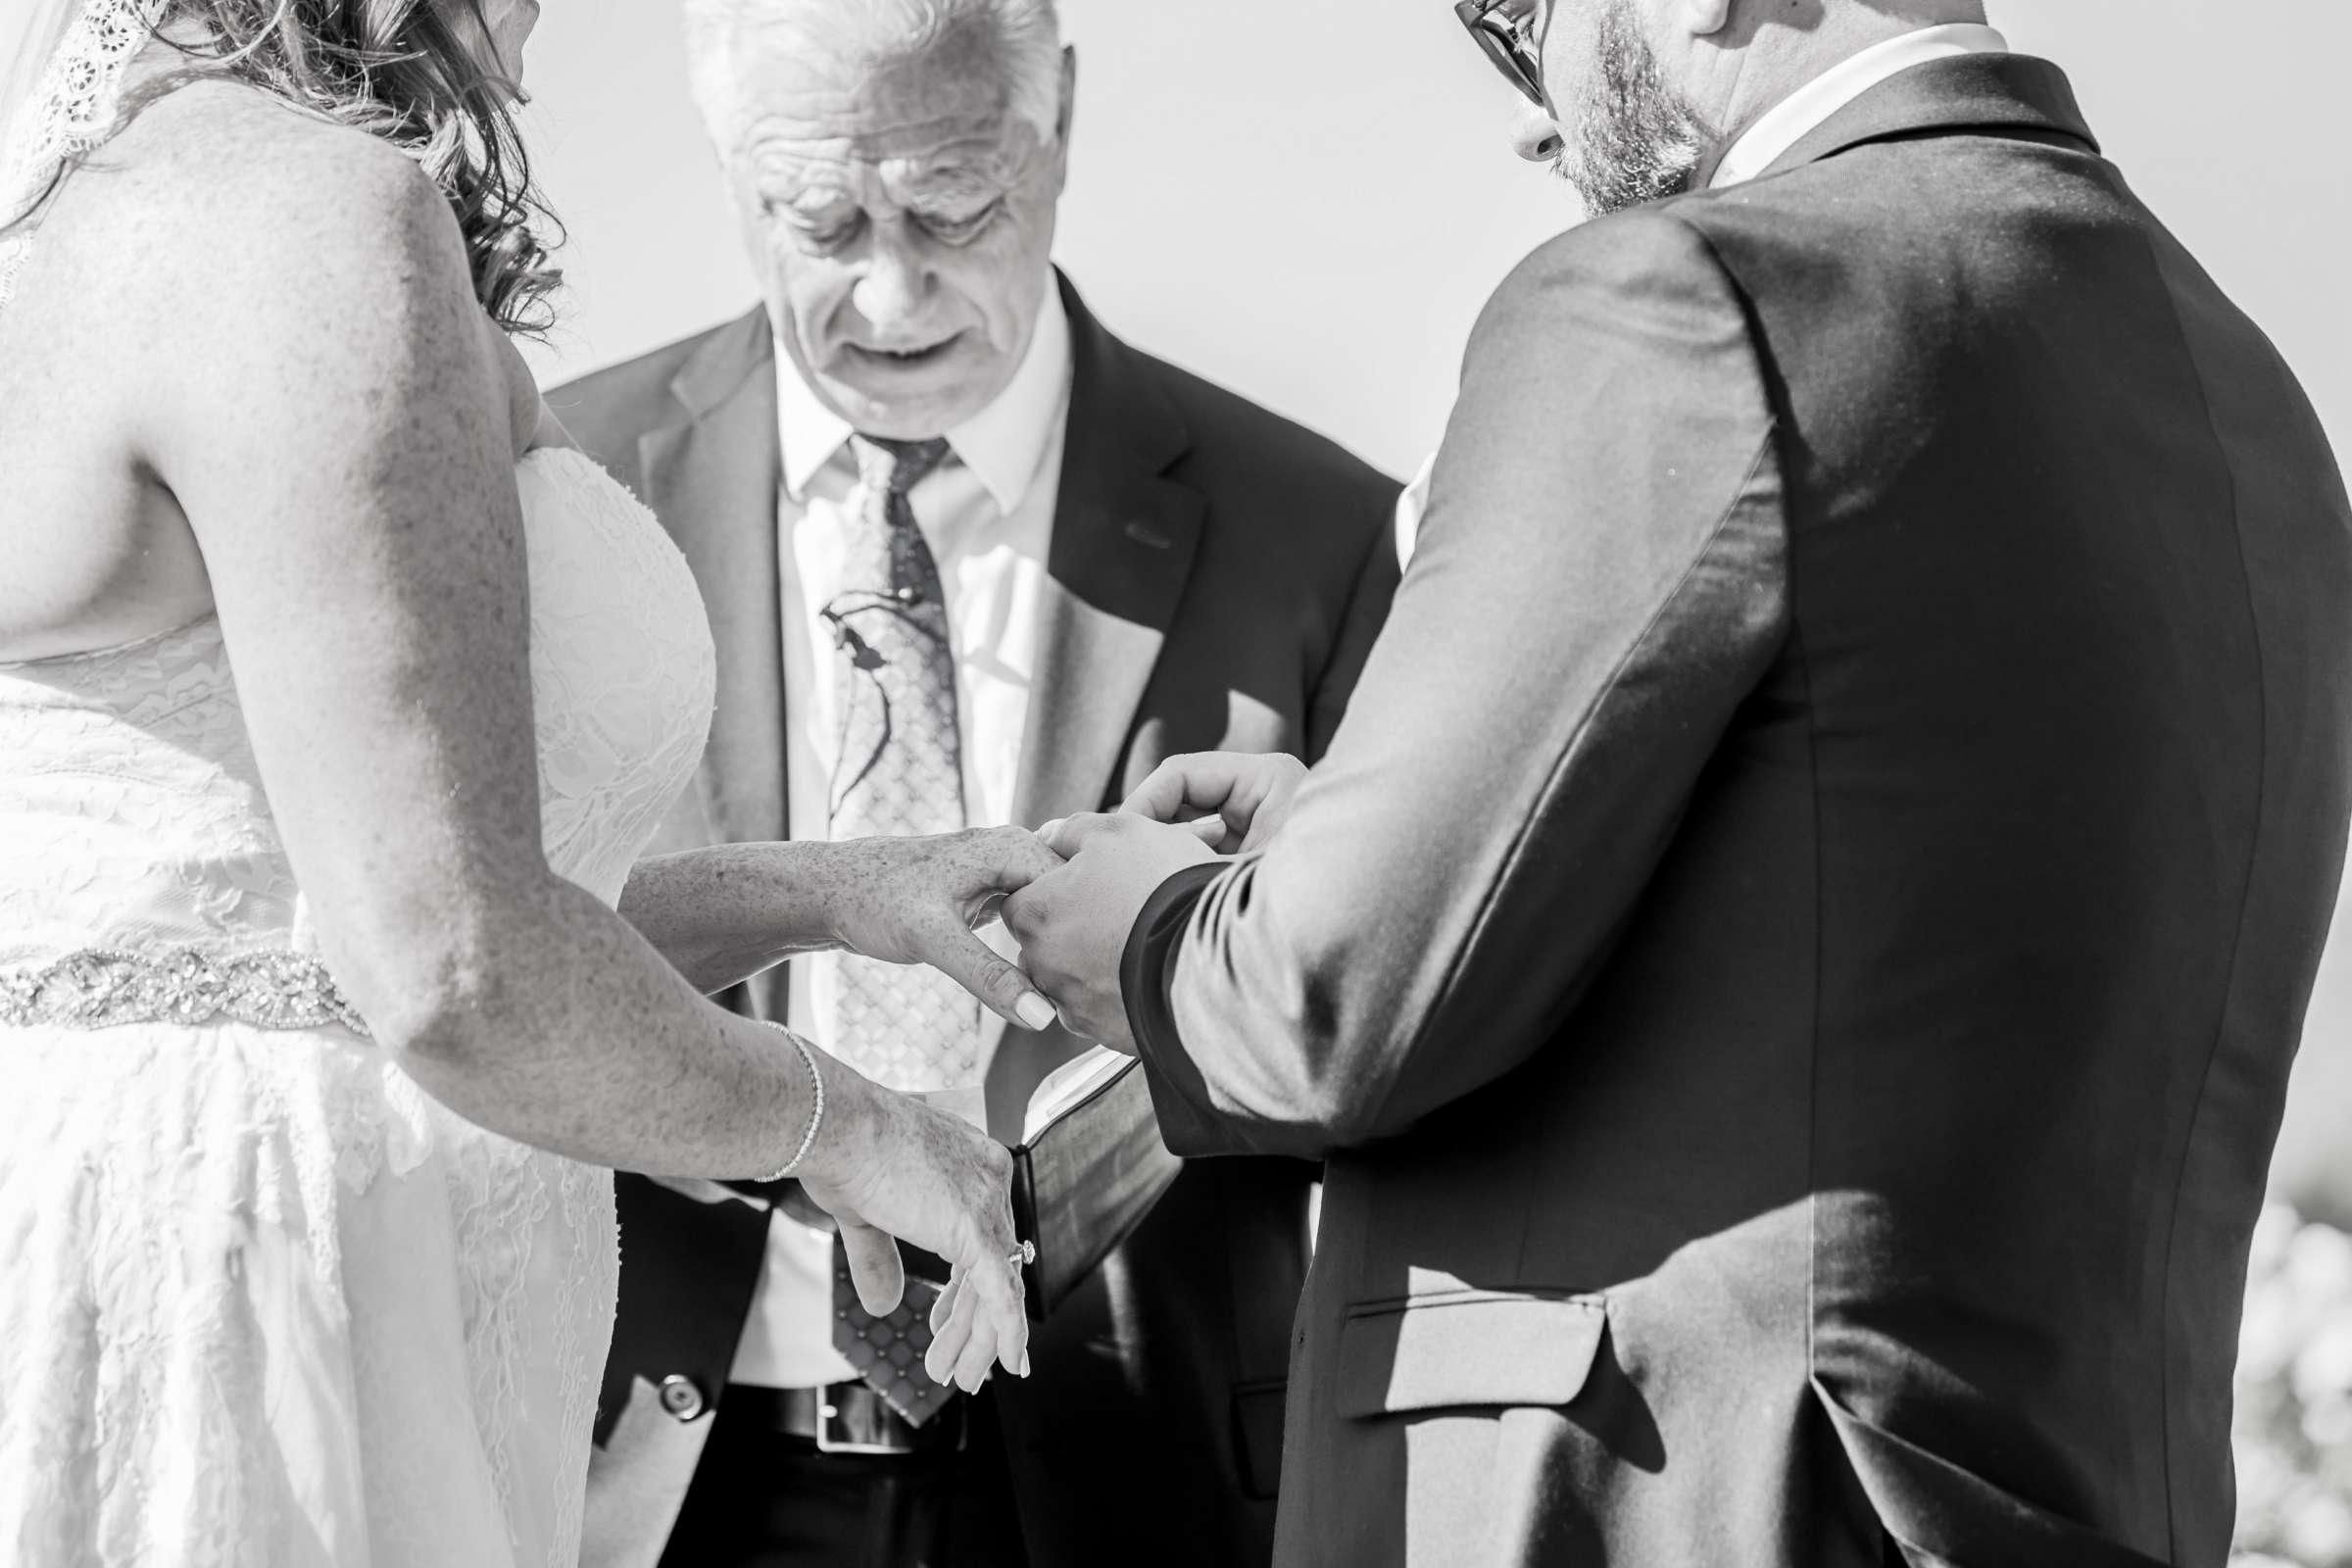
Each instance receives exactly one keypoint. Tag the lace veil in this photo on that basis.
(58, 94)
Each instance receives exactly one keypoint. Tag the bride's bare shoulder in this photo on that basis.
(238, 153)
(268, 217)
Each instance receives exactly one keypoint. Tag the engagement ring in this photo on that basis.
(1023, 1257)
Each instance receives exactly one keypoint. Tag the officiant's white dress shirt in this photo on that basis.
(988, 515)
(1782, 127)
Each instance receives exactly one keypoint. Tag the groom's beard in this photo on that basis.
(1634, 140)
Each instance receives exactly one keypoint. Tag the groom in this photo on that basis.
(1796, 952)
(924, 457)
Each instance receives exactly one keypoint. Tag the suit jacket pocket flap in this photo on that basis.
(1467, 1348)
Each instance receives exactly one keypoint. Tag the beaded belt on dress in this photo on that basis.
(98, 989)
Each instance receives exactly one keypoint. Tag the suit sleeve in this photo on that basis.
(1368, 602)
(1601, 583)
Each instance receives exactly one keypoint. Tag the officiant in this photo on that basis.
(970, 559)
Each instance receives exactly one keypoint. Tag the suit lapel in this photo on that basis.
(1124, 538)
(713, 481)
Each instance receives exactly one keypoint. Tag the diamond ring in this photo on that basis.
(1025, 1255)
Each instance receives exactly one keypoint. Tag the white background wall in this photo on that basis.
(1310, 199)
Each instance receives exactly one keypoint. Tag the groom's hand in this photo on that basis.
(1072, 922)
(1234, 800)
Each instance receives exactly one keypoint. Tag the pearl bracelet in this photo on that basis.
(816, 1116)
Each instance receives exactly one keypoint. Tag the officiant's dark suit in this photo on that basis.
(1218, 575)
(1795, 953)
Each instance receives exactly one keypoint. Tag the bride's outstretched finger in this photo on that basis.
(999, 1279)
(875, 1267)
(978, 1361)
(975, 1337)
(988, 1280)
(950, 1338)
(999, 982)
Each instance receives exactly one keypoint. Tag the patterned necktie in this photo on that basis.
(899, 771)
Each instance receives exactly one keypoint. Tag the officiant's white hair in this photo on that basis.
(1028, 36)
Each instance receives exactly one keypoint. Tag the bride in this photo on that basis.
(325, 997)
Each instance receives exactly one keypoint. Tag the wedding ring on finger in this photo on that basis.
(1025, 1255)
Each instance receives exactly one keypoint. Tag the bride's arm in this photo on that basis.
(723, 915)
(325, 402)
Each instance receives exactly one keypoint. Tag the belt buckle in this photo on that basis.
(852, 1418)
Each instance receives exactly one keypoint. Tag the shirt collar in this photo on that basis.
(1004, 444)
(1788, 122)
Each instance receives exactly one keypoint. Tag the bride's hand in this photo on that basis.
(885, 1165)
(920, 901)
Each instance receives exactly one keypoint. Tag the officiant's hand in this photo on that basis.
(921, 901)
(1234, 800)
(1072, 923)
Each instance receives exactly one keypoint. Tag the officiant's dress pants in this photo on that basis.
(764, 1500)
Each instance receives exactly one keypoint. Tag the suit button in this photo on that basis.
(681, 1398)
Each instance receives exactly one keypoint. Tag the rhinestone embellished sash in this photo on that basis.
(98, 989)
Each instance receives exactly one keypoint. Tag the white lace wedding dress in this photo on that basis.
(262, 1301)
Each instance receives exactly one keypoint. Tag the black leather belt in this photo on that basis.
(847, 1418)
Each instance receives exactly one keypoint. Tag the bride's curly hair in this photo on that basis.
(399, 71)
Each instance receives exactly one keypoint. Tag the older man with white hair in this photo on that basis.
(970, 559)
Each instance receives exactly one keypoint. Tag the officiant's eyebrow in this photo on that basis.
(937, 182)
(815, 206)
(962, 171)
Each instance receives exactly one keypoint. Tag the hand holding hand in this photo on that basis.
(1234, 800)
(1073, 923)
(886, 1166)
(920, 901)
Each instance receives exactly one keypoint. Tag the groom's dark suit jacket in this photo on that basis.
(1797, 946)
(1218, 575)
